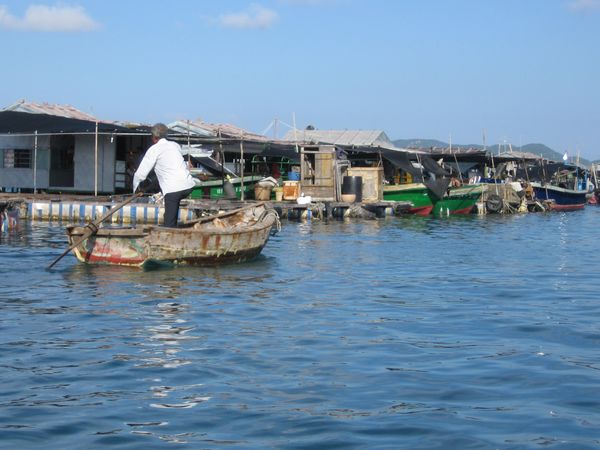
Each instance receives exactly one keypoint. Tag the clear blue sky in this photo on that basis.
(525, 71)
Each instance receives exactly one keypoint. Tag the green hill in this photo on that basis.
(419, 143)
(537, 149)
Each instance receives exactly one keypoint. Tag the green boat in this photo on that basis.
(418, 194)
(213, 188)
(457, 200)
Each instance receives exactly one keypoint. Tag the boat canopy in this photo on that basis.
(435, 176)
(15, 122)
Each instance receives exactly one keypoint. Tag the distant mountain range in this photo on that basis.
(536, 149)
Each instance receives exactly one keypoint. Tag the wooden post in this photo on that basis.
(242, 196)
(189, 159)
(222, 155)
(96, 162)
(35, 149)
(456, 162)
(295, 135)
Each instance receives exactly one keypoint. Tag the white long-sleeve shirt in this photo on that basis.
(168, 164)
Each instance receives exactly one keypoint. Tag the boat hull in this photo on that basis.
(458, 200)
(421, 198)
(222, 241)
(185, 246)
(560, 199)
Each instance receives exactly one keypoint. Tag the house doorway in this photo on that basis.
(62, 166)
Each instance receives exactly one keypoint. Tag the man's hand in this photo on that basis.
(143, 186)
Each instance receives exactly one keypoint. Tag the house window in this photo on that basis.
(9, 159)
(23, 159)
(17, 159)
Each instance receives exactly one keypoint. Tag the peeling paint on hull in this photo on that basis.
(226, 240)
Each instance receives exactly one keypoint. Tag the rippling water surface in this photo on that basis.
(416, 333)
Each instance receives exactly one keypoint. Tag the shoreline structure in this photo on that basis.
(79, 209)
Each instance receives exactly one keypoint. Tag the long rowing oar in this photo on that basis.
(223, 214)
(93, 226)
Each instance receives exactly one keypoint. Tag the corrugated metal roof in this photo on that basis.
(355, 138)
(201, 128)
(519, 155)
(52, 109)
(18, 122)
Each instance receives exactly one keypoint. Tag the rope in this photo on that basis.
(268, 212)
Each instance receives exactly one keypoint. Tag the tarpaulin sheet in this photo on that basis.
(433, 167)
(401, 160)
(14, 122)
(437, 186)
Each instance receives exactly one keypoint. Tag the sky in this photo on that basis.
(460, 71)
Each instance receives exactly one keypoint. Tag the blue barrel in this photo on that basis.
(352, 185)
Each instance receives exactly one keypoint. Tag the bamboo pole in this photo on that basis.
(189, 144)
(495, 175)
(544, 175)
(242, 196)
(456, 162)
(222, 156)
(35, 151)
(96, 162)
(295, 135)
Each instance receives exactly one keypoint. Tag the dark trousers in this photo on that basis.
(172, 200)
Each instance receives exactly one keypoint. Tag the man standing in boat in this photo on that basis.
(174, 178)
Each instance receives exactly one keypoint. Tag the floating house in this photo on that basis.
(368, 154)
(231, 144)
(60, 149)
(57, 148)
(220, 152)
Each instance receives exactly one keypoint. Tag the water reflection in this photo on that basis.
(166, 336)
(174, 281)
(563, 240)
(352, 333)
(165, 340)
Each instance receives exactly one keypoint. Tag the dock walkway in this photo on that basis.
(78, 209)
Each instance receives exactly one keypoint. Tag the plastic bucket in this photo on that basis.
(294, 176)
(352, 185)
(262, 192)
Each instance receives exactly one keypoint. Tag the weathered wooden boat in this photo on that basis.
(230, 237)
(559, 198)
(457, 200)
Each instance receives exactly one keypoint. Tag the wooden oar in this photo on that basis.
(93, 226)
(223, 214)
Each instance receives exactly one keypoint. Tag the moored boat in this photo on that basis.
(561, 186)
(457, 200)
(559, 198)
(418, 194)
(230, 237)
(215, 188)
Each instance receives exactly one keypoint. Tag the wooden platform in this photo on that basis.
(328, 210)
(76, 209)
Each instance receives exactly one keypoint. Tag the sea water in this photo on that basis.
(395, 333)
